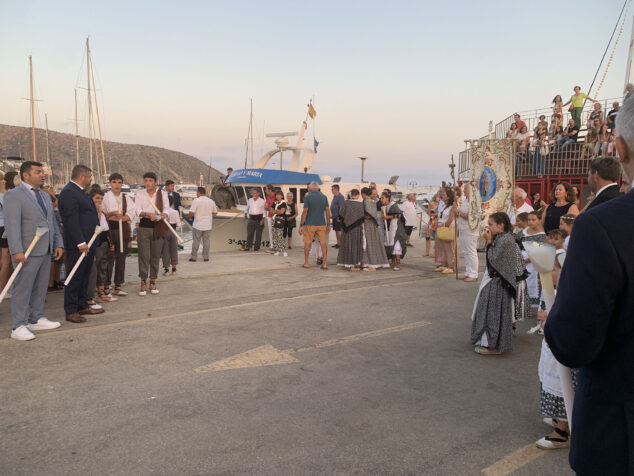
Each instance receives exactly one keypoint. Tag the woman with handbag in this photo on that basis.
(291, 214)
(279, 224)
(445, 233)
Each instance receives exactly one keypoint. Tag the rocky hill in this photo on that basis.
(131, 160)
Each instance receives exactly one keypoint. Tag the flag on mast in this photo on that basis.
(311, 111)
(316, 143)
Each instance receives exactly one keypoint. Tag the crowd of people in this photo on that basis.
(88, 230)
(534, 147)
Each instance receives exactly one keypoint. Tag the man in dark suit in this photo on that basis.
(603, 174)
(591, 325)
(79, 217)
(27, 208)
(174, 197)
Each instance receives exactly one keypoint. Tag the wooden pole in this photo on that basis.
(32, 108)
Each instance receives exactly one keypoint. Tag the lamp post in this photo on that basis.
(363, 159)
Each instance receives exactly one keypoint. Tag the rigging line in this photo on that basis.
(609, 63)
(81, 67)
(606, 49)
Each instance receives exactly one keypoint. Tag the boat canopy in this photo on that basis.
(273, 177)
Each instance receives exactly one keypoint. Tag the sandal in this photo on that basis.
(173, 270)
(143, 291)
(439, 269)
(166, 271)
(153, 289)
(103, 296)
(118, 291)
(553, 442)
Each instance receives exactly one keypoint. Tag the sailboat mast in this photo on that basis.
(103, 155)
(251, 130)
(629, 57)
(32, 108)
(48, 155)
(246, 142)
(89, 102)
(76, 130)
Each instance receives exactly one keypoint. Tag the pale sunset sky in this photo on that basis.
(401, 82)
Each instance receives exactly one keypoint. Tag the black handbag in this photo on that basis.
(279, 221)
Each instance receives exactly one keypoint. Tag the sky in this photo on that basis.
(403, 83)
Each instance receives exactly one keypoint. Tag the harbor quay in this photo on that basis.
(250, 364)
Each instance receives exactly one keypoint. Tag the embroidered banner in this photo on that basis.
(492, 179)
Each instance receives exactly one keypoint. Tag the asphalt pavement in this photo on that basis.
(337, 373)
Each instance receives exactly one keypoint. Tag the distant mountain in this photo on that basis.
(130, 160)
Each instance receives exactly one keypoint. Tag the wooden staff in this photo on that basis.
(98, 230)
(120, 230)
(180, 240)
(39, 232)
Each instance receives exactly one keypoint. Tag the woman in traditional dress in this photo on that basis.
(396, 236)
(352, 216)
(534, 232)
(496, 306)
(373, 251)
(446, 215)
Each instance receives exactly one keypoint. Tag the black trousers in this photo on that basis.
(254, 229)
(75, 294)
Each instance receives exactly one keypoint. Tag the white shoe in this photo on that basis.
(120, 293)
(96, 306)
(142, 293)
(154, 291)
(22, 333)
(277, 253)
(43, 324)
(285, 254)
(550, 422)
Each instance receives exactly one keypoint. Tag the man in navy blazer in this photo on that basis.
(603, 175)
(27, 208)
(591, 325)
(79, 218)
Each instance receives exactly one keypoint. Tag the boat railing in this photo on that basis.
(531, 117)
(569, 160)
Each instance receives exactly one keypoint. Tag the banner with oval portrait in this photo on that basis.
(492, 179)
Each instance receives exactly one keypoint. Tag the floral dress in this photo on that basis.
(430, 233)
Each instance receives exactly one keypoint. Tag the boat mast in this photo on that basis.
(76, 131)
(251, 130)
(32, 108)
(89, 103)
(629, 57)
(48, 155)
(103, 155)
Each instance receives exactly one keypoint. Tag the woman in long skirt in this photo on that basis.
(496, 306)
(534, 232)
(279, 224)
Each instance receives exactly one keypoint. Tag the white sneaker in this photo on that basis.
(277, 253)
(43, 324)
(96, 306)
(285, 254)
(142, 293)
(22, 333)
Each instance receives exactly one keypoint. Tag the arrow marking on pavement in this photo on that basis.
(268, 355)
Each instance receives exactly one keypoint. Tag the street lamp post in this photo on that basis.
(363, 159)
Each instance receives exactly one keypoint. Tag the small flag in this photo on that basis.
(311, 111)
(315, 144)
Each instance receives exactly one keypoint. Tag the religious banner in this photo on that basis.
(492, 176)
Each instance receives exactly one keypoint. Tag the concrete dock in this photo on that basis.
(249, 364)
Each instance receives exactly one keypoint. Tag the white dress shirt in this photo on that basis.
(113, 203)
(255, 207)
(409, 213)
(143, 202)
(203, 209)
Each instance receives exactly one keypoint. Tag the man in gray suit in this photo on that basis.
(27, 208)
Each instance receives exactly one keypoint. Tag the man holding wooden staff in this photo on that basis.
(152, 207)
(27, 208)
(119, 209)
(79, 217)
